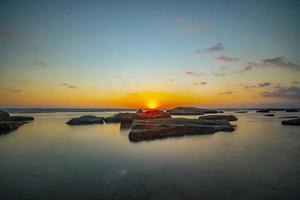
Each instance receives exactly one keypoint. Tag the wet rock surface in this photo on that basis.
(87, 119)
(9, 123)
(292, 122)
(219, 117)
(174, 127)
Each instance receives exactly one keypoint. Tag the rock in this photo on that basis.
(7, 126)
(153, 114)
(291, 110)
(269, 115)
(242, 111)
(3, 114)
(218, 117)
(294, 122)
(87, 119)
(120, 117)
(190, 111)
(263, 111)
(151, 129)
(16, 118)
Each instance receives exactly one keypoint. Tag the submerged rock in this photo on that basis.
(269, 115)
(191, 111)
(218, 117)
(263, 111)
(291, 110)
(87, 119)
(8, 126)
(173, 127)
(294, 122)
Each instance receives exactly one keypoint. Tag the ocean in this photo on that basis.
(47, 159)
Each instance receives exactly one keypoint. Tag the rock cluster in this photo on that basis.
(9, 123)
(218, 117)
(191, 111)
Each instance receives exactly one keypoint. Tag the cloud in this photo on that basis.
(7, 35)
(171, 80)
(69, 85)
(292, 92)
(200, 83)
(41, 63)
(259, 85)
(188, 26)
(295, 82)
(218, 47)
(197, 74)
(227, 92)
(227, 59)
(219, 74)
(279, 62)
(133, 94)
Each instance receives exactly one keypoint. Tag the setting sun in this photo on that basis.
(152, 104)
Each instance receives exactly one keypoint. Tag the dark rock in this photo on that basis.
(269, 115)
(190, 111)
(88, 119)
(153, 114)
(121, 117)
(293, 122)
(242, 111)
(218, 117)
(139, 111)
(3, 114)
(8, 126)
(173, 127)
(16, 118)
(291, 110)
(263, 111)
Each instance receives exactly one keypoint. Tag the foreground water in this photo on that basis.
(47, 159)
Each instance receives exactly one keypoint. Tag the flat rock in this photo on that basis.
(289, 117)
(121, 117)
(291, 110)
(8, 126)
(151, 129)
(16, 118)
(269, 115)
(293, 122)
(87, 119)
(191, 111)
(218, 117)
(263, 111)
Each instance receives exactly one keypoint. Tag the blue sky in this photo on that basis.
(126, 45)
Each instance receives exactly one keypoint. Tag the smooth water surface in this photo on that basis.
(47, 159)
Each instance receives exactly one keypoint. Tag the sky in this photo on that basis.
(131, 54)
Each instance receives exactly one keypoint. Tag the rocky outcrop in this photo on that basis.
(218, 117)
(289, 117)
(87, 119)
(9, 123)
(8, 126)
(126, 119)
(263, 111)
(293, 122)
(191, 111)
(269, 115)
(174, 127)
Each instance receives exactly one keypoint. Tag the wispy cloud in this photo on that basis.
(69, 85)
(40, 63)
(292, 92)
(279, 62)
(295, 82)
(192, 73)
(259, 85)
(219, 74)
(188, 26)
(218, 47)
(200, 83)
(227, 59)
(229, 92)
(15, 90)
(171, 80)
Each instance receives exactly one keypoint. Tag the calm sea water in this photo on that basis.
(47, 159)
